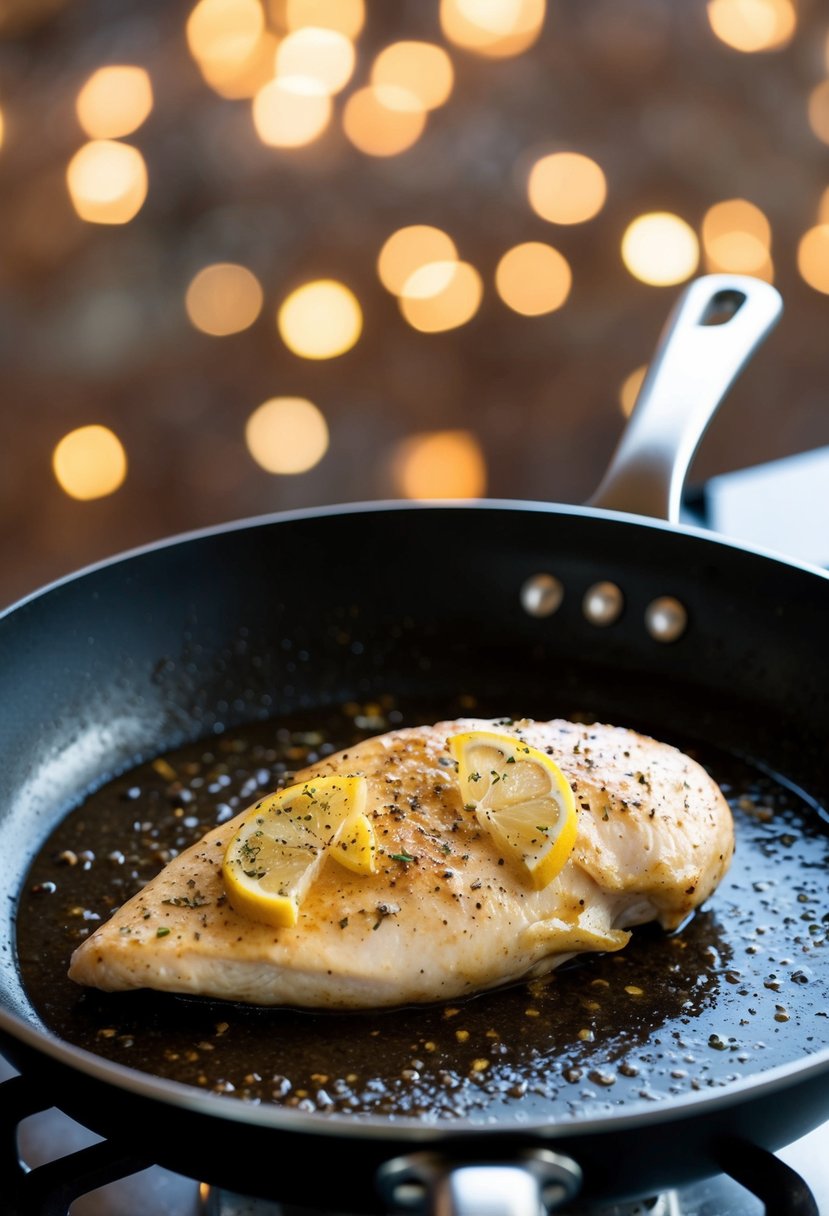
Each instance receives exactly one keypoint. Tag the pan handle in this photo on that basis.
(715, 326)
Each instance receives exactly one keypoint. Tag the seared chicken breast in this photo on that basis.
(445, 915)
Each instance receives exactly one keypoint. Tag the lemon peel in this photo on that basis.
(520, 797)
(280, 847)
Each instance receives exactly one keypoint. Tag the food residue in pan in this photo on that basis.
(670, 1014)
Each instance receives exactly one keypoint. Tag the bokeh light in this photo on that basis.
(345, 16)
(735, 215)
(322, 55)
(429, 280)
(566, 188)
(441, 296)
(383, 120)
(660, 248)
(533, 278)
(753, 25)
(407, 249)
(421, 68)
(224, 37)
(223, 299)
(287, 435)
(460, 176)
(115, 101)
(241, 77)
(291, 111)
(629, 390)
(813, 257)
(819, 111)
(320, 320)
(495, 28)
(107, 182)
(90, 462)
(736, 237)
(440, 464)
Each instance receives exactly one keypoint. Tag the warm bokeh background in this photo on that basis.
(173, 175)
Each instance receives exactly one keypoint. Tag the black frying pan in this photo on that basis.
(528, 606)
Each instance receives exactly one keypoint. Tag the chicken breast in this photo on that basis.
(655, 836)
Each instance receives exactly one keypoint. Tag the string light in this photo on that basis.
(322, 55)
(819, 111)
(223, 37)
(566, 188)
(629, 390)
(660, 249)
(291, 111)
(753, 25)
(440, 464)
(533, 278)
(813, 257)
(223, 298)
(407, 249)
(383, 120)
(421, 68)
(494, 28)
(287, 435)
(89, 462)
(736, 237)
(441, 296)
(345, 16)
(107, 182)
(115, 101)
(320, 320)
(238, 78)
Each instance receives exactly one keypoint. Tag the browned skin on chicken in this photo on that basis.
(655, 837)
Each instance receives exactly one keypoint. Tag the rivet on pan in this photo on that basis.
(603, 603)
(541, 595)
(666, 619)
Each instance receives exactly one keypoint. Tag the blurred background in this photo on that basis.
(269, 254)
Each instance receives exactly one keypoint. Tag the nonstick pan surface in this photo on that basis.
(204, 636)
(670, 1015)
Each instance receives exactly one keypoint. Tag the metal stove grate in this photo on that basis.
(50, 1166)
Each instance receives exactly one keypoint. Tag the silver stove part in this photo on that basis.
(223, 1203)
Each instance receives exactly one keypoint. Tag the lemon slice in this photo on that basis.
(283, 843)
(521, 797)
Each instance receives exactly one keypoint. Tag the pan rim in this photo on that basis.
(384, 506)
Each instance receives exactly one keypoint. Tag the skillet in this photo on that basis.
(539, 609)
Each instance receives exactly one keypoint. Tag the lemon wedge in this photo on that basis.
(283, 843)
(521, 797)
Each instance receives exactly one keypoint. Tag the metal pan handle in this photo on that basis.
(716, 325)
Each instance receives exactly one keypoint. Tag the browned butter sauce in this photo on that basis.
(746, 979)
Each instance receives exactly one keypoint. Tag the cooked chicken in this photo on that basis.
(655, 837)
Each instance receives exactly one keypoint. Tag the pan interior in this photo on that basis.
(741, 988)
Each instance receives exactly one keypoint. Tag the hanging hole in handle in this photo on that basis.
(722, 307)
